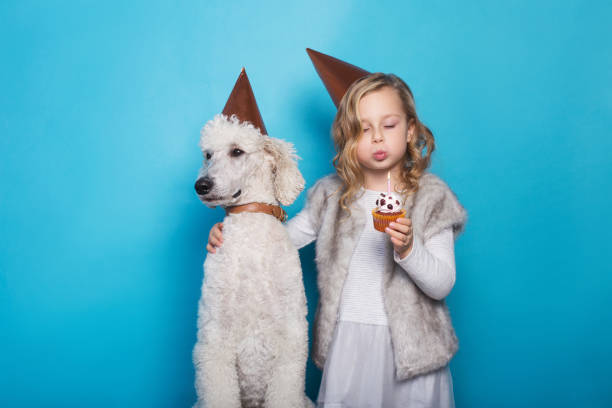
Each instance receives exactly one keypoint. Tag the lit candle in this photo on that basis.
(389, 182)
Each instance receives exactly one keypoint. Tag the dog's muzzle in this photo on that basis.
(203, 185)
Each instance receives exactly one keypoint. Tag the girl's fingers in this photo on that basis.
(396, 242)
(215, 238)
(210, 248)
(215, 232)
(218, 231)
(399, 245)
(397, 234)
(397, 238)
(400, 227)
(404, 220)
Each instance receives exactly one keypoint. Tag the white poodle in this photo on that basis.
(252, 342)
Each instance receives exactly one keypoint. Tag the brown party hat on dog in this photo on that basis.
(241, 103)
(337, 75)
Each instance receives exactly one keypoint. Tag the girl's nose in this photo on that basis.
(376, 136)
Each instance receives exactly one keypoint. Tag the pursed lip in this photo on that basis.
(380, 155)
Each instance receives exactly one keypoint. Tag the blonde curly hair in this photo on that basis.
(346, 130)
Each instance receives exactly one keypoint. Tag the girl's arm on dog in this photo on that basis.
(301, 229)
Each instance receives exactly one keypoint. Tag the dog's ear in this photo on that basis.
(288, 181)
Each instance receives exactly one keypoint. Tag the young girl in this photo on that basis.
(383, 334)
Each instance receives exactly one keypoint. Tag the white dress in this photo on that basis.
(359, 369)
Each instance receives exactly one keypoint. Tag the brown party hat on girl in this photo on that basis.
(337, 75)
(241, 103)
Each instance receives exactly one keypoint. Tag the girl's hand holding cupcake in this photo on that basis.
(388, 216)
(401, 235)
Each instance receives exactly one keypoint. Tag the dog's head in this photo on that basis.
(241, 165)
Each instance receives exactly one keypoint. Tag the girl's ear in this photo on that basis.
(288, 181)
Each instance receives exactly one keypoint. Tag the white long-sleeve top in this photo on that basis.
(431, 265)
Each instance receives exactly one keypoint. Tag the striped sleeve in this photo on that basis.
(432, 265)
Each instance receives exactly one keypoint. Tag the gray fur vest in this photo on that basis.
(422, 334)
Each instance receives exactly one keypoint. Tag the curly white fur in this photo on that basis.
(252, 331)
(266, 172)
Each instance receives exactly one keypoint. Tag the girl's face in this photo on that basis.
(385, 132)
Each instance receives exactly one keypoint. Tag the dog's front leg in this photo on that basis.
(286, 387)
(214, 357)
(216, 375)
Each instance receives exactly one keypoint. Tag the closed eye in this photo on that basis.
(389, 126)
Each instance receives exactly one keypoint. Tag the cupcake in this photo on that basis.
(388, 209)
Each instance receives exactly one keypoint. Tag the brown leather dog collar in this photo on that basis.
(274, 210)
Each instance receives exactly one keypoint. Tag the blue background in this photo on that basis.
(102, 237)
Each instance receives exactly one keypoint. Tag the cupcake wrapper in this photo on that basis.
(381, 221)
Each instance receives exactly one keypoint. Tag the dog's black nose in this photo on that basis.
(203, 185)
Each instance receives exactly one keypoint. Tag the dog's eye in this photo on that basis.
(208, 155)
(236, 152)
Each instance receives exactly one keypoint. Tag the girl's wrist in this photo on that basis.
(404, 253)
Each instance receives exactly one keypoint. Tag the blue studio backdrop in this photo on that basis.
(102, 237)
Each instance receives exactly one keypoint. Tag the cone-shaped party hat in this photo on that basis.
(337, 75)
(241, 103)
